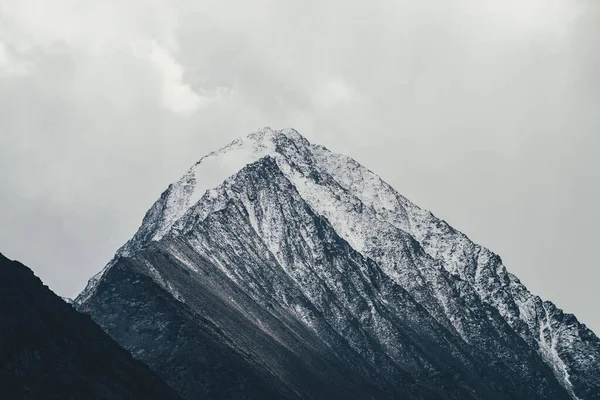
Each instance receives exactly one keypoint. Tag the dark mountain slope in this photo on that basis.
(48, 350)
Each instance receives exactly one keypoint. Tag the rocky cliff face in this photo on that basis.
(295, 272)
(48, 350)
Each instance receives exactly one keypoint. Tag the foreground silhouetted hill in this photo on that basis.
(48, 350)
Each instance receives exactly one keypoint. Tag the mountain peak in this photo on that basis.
(209, 172)
(260, 140)
(297, 229)
(216, 166)
(290, 133)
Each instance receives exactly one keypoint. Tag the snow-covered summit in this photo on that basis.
(209, 172)
(463, 286)
(214, 168)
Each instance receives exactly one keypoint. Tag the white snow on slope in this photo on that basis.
(548, 341)
(211, 171)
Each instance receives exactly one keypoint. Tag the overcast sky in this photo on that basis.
(487, 113)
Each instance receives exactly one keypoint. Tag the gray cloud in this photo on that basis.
(483, 112)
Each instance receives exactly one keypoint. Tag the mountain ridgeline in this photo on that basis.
(277, 269)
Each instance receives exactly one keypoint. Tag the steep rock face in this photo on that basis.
(281, 244)
(48, 350)
(566, 345)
